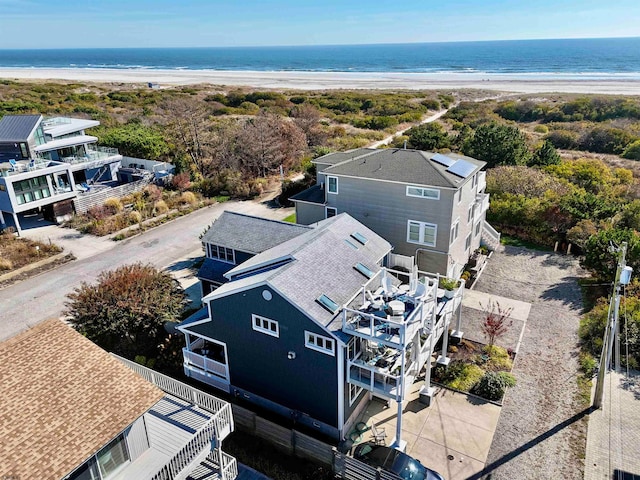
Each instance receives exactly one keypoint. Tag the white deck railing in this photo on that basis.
(205, 363)
(220, 409)
(491, 233)
(482, 204)
(482, 181)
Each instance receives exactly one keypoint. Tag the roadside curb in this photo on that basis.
(32, 266)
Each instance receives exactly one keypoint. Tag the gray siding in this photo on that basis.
(137, 440)
(307, 213)
(258, 362)
(385, 208)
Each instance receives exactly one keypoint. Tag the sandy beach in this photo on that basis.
(614, 84)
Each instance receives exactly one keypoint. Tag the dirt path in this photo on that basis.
(542, 428)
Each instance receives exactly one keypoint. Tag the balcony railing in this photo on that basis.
(94, 155)
(205, 363)
(374, 379)
(221, 409)
(482, 181)
(27, 166)
(482, 204)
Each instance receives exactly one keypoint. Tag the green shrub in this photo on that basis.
(588, 364)
(188, 198)
(161, 207)
(462, 376)
(541, 129)
(493, 385)
(114, 204)
(448, 283)
(632, 151)
(499, 358)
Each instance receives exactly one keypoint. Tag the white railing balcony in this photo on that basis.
(96, 154)
(482, 181)
(205, 363)
(23, 166)
(482, 204)
(222, 410)
(383, 382)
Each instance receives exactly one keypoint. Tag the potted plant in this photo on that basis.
(448, 285)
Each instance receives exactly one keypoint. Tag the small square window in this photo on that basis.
(332, 184)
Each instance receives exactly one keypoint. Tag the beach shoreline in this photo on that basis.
(298, 80)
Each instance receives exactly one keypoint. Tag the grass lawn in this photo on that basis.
(516, 242)
(291, 218)
(16, 252)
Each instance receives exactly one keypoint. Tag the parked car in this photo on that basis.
(394, 461)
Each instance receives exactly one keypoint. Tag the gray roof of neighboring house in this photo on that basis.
(17, 128)
(337, 157)
(402, 165)
(320, 261)
(250, 234)
(313, 194)
(213, 270)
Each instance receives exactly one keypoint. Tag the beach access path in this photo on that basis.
(541, 432)
(27, 303)
(334, 80)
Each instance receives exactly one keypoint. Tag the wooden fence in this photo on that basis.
(300, 445)
(85, 201)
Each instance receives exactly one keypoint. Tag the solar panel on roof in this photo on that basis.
(461, 168)
(443, 160)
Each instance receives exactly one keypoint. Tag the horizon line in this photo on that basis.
(326, 44)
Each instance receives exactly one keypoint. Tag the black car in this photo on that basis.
(394, 461)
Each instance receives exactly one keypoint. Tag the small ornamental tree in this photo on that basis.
(125, 311)
(496, 321)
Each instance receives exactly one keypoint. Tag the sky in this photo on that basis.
(212, 23)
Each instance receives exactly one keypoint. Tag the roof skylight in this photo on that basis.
(327, 303)
(359, 238)
(364, 270)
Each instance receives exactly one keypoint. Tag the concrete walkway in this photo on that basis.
(613, 436)
(452, 436)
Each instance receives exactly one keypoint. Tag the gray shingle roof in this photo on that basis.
(17, 128)
(250, 234)
(337, 157)
(321, 262)
(313, 194)
(401, 165)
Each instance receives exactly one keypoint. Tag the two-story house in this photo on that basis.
(309, 326)
(429, 206)
(45, 163)
(71, 411)
(234, 238)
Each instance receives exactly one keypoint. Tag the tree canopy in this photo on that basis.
(125, 310)
(498, 144)
(428, 136)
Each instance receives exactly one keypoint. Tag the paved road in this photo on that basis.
(31, 301)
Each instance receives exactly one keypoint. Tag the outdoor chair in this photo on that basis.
(378, 435)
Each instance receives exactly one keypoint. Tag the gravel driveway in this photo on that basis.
(542, 428)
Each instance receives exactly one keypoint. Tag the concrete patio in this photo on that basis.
(452, 436)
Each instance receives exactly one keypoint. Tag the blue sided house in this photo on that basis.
(316, 325)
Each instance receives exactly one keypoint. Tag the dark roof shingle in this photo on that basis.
(408, 166)
(17, 128)
(250, 234)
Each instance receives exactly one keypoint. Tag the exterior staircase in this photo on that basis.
(490, 237)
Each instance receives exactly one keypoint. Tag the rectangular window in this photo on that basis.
(113, 456)
(24, 151)
(319, 343)
(422, 192)
(221, 253)
(331, 212)
(422, 233)
(470, 213)
(265, 325)
(332, 184)
(459, 193)
(455, 228)
(32, 189)
(467, 242)
(477, 229)
(354, 391)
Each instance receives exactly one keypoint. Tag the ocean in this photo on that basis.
(584, 58)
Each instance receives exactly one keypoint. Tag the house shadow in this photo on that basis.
(487, 472)
(567, 292)
(189, 263)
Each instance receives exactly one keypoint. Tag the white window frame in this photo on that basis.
(471, 212)
(326, 211)
(423, 192)
(455, 231)
(258, 322)
(467, 242)
(459, 193)
(311, 338)
(354, 393)
(211, 248)
(422, 226)
(477, 229)
(329, 185)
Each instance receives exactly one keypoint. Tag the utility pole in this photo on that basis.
(612, 329)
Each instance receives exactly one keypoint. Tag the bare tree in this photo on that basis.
(496, 321)
(307, 117)
(267, 141)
